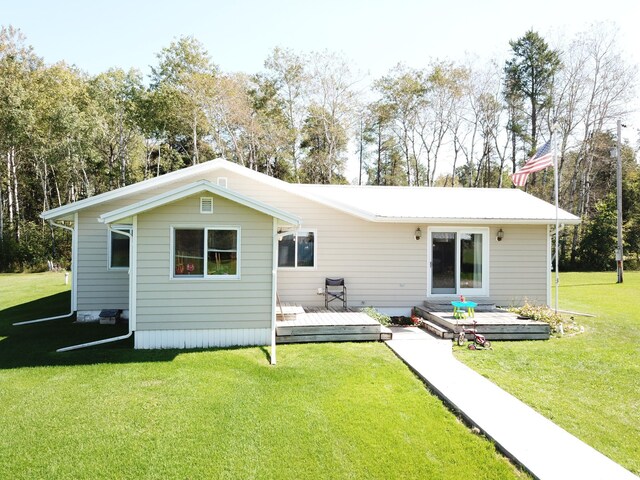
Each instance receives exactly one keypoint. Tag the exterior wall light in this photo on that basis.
(418, 234)
(500, 235)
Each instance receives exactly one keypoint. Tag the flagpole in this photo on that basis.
(555, 192)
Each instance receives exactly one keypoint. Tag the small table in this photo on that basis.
(458, 309)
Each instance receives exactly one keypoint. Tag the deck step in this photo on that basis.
(288, 312)
(385, 333)
(349, 337)
(327, 330)
(436, 329)
(495, 325)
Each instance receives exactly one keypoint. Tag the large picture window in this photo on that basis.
(297, 250)
(206, 252)
(119, 249)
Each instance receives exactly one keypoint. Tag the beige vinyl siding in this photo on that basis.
(519, 268)
(99, 287)
(166, 303)
(383, 265)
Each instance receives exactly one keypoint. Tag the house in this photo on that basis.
(195, 257)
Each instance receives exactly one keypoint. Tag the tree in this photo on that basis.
(116, 98)
(596, 246)
(323, 140)
(18, 72)
(329, 117)
(183, 81)
(403, 92)
(387, 166)
(445, 87)
(529, 75)
(288, 74)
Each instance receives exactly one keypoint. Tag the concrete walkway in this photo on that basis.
(546, 450)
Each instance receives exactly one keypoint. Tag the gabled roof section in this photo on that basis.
(150, 183)
(192, 189)
(371, 203)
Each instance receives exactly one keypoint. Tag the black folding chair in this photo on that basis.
(335, 289)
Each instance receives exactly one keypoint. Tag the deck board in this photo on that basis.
(329, 325)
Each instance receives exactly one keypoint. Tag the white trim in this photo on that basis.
(74, 263)
(191, 189)
(201, 338)
(469, 221)
(111, 229)
(133, 275)
(133, 188)
(315, 249)
(471, 292)
(205, 277)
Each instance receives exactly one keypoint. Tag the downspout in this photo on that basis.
(548, 266)
(73, 275)
(132, 259)
(274, 286)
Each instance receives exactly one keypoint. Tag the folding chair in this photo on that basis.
(335, 289)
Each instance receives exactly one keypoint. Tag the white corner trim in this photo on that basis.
(133, 275)
(74, 263)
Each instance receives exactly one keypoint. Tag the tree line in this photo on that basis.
(67, 135)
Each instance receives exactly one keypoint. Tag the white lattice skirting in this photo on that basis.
(223, 337)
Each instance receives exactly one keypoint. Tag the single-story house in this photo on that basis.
(197, 257)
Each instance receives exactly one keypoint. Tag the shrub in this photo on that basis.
(376, 315)
(557, 322)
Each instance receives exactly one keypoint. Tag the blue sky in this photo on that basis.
(374, 34)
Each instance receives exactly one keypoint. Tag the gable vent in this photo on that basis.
(222, 182)
(206, 204)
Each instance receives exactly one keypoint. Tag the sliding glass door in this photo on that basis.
(458, 260)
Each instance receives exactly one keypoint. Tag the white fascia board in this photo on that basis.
(191, 189)
(477, 221)
(133, 188)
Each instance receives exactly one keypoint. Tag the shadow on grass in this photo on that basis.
(35, 345)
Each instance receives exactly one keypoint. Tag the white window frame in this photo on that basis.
(476, 292)
(315, 248)
(204, 277)
(110, 231)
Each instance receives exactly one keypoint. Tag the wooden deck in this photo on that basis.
(492, 323)
(327, 325)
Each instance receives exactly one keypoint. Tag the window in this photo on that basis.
(119, 248)
(297, 250)
(206, 252)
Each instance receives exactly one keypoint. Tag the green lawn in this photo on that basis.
(325, 411)
(590, 383)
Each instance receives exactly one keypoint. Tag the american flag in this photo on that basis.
(542, 159)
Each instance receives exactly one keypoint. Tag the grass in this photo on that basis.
(325, 411)
(588, 384)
